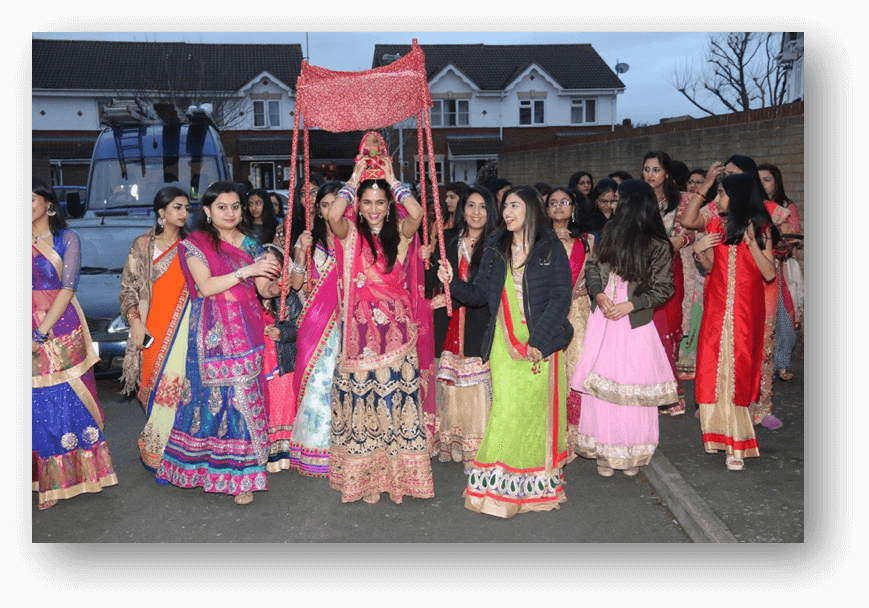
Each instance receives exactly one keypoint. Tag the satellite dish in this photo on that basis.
(621, 68)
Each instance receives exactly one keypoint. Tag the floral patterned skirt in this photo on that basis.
(378, 441)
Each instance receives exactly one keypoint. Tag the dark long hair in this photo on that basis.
(745, 206)
(208, 197)
(573, 182)
(534, 220)
(489, 227)
(56, 222)
(318, 229)
(162, 199)
(389, 236)
(574, 227)
(747, 165)
(778, 196)
(626, 241)
(270, 221)
(671, 189)
(598, 220)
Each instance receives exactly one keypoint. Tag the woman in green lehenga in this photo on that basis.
(525, 279)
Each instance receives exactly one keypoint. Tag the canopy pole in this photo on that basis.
(439, 220)
(288, 220)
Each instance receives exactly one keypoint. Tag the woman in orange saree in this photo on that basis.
(153, 274)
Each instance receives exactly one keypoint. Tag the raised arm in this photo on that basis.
(402, 196)
(691, 219)
(346, 196)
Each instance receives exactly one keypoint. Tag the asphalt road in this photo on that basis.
(684, 496)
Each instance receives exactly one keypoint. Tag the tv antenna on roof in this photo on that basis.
(621, 68)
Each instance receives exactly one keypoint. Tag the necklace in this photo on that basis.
(232, 238)
(39, 237)
(375, 231)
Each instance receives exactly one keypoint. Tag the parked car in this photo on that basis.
(105, 243)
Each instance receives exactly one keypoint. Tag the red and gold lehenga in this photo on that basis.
(580, 309)
(729, 349)
(378, 441)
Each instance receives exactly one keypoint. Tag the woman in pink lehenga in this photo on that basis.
(219, 440)
(318, 342)
(624, 373)
(281, 405)
(378, 441)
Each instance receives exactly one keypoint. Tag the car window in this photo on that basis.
(105, 248)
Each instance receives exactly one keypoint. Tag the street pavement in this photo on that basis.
(684, 496)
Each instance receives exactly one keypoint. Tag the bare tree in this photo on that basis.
(178, 82)
(741, 73)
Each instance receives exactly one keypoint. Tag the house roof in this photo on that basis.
(493, 67)
(323, 145)
(112, 66)
(69, 147)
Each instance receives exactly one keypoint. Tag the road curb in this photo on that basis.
(691, 511)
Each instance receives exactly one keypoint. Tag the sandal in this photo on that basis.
(771, 423)
(372, 499)
(677, 409)
(632, 471)
(784, 375)
(245, 498)
(734, 463)
(46, 505)
(604, 471)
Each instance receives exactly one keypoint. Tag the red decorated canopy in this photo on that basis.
(362, 101)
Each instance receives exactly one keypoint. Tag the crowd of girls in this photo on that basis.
(576, 313)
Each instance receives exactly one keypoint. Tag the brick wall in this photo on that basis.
(771, 135)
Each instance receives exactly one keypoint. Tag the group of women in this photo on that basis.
(563, 340)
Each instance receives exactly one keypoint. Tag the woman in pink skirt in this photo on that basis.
(624, 373)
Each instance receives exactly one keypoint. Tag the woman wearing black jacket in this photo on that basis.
(524, 277)
(624, 373)
(463, 382)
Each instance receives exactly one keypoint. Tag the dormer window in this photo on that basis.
(266, 114)
(531, 112)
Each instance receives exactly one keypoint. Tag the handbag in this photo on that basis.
(286, 344)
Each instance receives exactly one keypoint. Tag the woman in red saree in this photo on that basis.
(737, 253)
(378, 441)
(153, 274)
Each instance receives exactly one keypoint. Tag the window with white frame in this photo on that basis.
(266, 113)
(531, 112)
(439, 168)
(450, 113)
(583, 111)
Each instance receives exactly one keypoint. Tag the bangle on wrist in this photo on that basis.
(400, 192)
(298, 268)
(347, 193)
(238, 275)
(39, 337)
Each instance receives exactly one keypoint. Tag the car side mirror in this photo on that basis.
(74, 206)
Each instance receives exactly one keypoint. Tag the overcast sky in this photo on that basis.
(652, 56)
